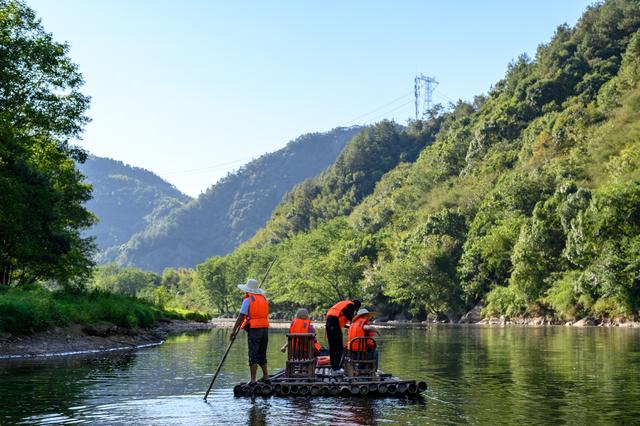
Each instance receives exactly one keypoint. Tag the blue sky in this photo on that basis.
(194, 89)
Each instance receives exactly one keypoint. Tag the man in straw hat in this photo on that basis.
(360, 327)
(254, 318)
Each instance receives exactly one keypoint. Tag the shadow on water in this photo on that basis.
(258, 415)
(476, 375)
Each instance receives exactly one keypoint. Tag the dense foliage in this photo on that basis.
(32, 309)
(527, 200)
(126, 200)
(371, 154)
(233, 209)
(177, 290)
(42, 193)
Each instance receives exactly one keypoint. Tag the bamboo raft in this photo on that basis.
(302, 377)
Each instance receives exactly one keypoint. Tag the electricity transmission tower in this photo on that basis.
(424, 87)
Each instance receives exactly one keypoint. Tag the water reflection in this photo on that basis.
(476, 375)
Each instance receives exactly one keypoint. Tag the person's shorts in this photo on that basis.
(258, 341)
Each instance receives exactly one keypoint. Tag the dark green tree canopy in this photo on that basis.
(41, 109)
(39, 84)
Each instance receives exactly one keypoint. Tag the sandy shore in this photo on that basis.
(88, 339)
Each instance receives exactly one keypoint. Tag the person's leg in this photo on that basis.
(339, 349)
(254, 369)
(253, 341)
(264, 343)
(334, 336)
(330, 340)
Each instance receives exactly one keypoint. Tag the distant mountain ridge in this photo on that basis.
(232, 210)
(126, 199)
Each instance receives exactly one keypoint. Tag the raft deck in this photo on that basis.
(325, 384)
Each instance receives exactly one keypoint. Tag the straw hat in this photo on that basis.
(364, 311)
(252, 286)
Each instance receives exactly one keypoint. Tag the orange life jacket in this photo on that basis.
(258, 311)
(336, 311)
(302, 326)
(357, 330)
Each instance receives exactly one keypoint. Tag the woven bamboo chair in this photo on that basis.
(360, 363)
(301, 360)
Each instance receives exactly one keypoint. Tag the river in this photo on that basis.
(476, 375)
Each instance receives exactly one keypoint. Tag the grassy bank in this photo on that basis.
(32, 309)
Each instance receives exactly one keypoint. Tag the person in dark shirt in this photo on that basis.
(337, 318)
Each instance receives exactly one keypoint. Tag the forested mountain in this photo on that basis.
(126, 199)
(371, 154)
(528, 200)
(233, 209)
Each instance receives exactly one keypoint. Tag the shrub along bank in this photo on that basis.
(33, 309)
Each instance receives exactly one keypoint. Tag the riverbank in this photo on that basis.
(284, 324)
(78, 339)
(541, 321)
(493, 322)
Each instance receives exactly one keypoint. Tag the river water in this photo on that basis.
(476, 375)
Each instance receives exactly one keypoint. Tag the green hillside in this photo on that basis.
(126, 199)
(527, 200)
(230, 211)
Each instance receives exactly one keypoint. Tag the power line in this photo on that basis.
(376, 109)
(390, 111)
(214, 166)
(444, 97)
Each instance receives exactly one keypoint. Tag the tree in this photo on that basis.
(170, 278)
(40, 84)
(322, 266)
(212, 275)
(129, 281)
(41, 109)
(424, 277)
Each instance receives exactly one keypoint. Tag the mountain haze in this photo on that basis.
(126, 199)
(233, 209)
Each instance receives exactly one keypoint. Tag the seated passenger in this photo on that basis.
(360, 327)
(301, 324)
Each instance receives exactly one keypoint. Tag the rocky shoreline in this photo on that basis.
(474, 316)
(541, 321)
(78, 339)
(494, 321)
